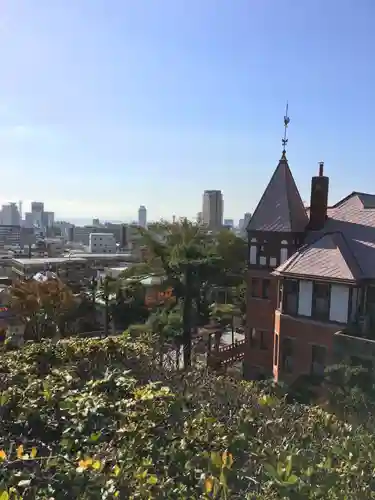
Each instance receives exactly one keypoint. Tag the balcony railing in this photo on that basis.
(346, 346)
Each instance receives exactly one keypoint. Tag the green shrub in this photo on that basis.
(93, 419)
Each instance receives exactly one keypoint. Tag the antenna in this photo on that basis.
(284, 141)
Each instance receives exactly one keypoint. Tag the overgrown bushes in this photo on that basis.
(91, 419)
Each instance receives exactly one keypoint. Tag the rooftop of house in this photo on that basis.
(281, 208)
(344, 250)
(103, 256)
(46, 261)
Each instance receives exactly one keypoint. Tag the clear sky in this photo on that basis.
(109, 104)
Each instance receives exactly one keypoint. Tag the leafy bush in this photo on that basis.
(92, 419)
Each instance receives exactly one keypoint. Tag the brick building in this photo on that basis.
(311, 279)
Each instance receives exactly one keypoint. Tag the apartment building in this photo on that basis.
(102, 243)
(311, 279)
(72, 270)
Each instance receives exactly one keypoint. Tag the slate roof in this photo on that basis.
(344, 249)
(281, 208)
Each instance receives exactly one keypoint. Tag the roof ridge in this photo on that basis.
(348, 196)
(264, 192)
(349, 250)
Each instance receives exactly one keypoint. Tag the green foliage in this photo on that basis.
(43, 306)
(94, 419)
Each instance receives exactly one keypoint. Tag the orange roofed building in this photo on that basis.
(311, 280)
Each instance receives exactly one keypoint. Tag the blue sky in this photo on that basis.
(109, 104)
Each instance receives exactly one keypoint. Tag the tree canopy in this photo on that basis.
(192, 261)
(43, 306)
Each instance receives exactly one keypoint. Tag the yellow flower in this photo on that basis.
(208, 485)
(20, 451)
(3, 455)
(85, 464)
(227, 459)
(116, 470)
(96, 465)
(33, 453)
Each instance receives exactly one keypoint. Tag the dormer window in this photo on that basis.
(283, 251)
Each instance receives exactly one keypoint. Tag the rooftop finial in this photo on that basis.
(284, 141)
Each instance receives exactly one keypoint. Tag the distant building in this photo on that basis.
(10, 215)
(29, 220)
(199, 218)
(229, 223)
(48, 219)
(142, 216)
(95, 222)
(10, 235)
(73, 270)
(37, 209)
(102, 243)
(212, 213)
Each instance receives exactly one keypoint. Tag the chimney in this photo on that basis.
(319, 200)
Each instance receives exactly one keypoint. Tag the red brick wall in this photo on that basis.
(304, 333)
(260, 315)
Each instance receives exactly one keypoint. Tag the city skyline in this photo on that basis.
(152, 103)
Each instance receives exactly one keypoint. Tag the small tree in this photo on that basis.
(43, 306)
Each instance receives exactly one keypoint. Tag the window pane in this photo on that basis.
(318, 360)
(290, 297)
(266, 289)
(253, 337)
(287, 355)
(255, 287)
(321, 292)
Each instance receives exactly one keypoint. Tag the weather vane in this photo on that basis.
(284, 141)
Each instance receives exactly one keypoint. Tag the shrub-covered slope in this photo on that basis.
(91, 419)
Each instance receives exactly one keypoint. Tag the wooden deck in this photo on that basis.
(226, 355)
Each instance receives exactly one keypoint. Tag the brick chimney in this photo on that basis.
(319, 200)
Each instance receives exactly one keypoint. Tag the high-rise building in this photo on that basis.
(48, 219)
(142, 216)
(29, 220)
(37, 209)
(212, 213)
(10, 215)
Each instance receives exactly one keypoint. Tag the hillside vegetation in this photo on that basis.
(90, 419)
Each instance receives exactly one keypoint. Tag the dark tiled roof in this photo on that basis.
(281, 208)
(328, 257)
(349, 235)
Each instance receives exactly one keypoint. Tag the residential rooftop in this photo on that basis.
(106, 256)
(46, 261)
(344, 249)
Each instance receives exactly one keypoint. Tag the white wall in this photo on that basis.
(253, 254)
(305, 298)
(339, 303)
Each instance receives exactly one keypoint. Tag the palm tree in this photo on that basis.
(43, 306)
(181, 253)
